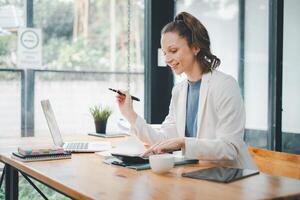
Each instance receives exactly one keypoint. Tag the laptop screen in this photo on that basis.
(52, 124)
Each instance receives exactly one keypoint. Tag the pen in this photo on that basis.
(120, 93)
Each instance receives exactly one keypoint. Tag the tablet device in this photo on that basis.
(221, 174)
(130, 160)
(109, 135)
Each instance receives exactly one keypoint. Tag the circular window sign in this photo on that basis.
(29, 39)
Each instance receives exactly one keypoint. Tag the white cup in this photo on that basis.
(161, 163)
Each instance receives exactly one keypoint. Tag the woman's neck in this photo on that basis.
(195, 74)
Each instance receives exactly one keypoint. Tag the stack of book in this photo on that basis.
(28, 154)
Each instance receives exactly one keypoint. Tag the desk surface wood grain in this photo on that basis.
(85, 176)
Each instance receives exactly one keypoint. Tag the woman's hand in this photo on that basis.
(126, 107)
(165, 146)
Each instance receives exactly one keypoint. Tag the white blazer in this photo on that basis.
(220, 123)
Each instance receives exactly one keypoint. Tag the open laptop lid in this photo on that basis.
(52, 124)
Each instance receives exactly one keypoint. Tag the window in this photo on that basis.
(240, 35)
(256, 69)
(290, 80)
(11, 17)
(221, 19)
(85, 51)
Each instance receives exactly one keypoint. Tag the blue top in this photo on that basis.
(192, 102)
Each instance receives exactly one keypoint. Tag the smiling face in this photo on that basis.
(178, 55)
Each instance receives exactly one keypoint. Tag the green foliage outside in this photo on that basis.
(27, 192)
(1, 194)
(5, 44)
(100, 113)
(75, 55)
(8, 46)
(55, 18)
(62, 51)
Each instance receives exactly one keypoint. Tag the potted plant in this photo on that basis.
(100, 115)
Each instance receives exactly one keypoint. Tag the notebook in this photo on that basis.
(42, 150)
(31, 158)
(143, 166)
(131, 160)
(80, 146)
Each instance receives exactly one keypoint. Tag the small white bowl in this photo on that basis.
(161, 163)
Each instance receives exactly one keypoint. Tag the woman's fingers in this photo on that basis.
(169, 146)
(161, 148)
(157, 148)
(120, 98)
(127, 96)
(150, 151)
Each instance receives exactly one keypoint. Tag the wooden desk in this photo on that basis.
(85, 176)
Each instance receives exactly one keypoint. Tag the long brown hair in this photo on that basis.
(190, 28)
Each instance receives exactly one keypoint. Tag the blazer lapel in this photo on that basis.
(181, 114)
(202, 100)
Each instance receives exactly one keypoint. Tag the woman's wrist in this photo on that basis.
(182, 143)
(131, 117)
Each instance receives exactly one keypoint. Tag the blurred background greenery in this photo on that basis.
(26, 191)
(75, 38)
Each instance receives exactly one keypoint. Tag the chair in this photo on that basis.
(276, 163)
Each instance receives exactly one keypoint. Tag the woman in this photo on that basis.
(206, 115)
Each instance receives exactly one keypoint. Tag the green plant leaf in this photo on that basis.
(100, 113)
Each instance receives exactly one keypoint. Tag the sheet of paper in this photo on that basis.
(132, 147)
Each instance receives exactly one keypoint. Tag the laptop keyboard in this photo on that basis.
(77, 145)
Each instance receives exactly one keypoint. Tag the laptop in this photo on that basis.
(80, 146)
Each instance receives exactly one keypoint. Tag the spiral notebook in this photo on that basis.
(31, 158)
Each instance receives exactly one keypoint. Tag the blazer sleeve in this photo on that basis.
(229, 128)
(150, 135)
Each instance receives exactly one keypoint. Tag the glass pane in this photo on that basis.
(10, 104)
(77, 35)
(256, 72)
(87, 36)
(11, 18)
(90, 35)
(291, 82)
(71, 95)
(220, 17)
